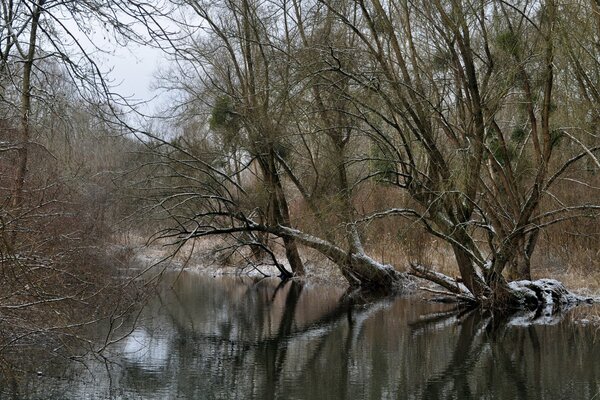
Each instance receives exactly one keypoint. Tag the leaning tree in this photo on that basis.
(243, 70)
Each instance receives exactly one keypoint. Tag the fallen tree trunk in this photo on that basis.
(358, 268)
(548, 295)
(545, 292)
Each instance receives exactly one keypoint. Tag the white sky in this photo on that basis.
(133, 69)
(130, 69)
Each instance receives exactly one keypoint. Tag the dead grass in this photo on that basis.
(573, 259)
(578, 268)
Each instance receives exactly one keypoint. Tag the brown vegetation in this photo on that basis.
(58, 264)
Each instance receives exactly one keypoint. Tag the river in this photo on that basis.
(205, 337)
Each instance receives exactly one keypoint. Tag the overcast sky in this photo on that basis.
(133, 69)
(130, 69)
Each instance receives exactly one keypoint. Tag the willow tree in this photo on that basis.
(233, 62)
(459, 97)
(325, 113)
(242, 72)
(466, 95)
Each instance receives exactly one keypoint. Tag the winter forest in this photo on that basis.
(445, 147)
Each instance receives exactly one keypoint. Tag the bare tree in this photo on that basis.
(248, 89)
(467, 90)
(54, 97)
(245, 62)
(40, 36)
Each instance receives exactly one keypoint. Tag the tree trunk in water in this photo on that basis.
(369, 274)
(468, 272)
(501, 295)
(359, 269)
(291, 249)
(293, 256)
(280, 214)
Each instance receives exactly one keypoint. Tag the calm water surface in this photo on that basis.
(240, 338)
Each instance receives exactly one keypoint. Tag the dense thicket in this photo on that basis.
(62, 146)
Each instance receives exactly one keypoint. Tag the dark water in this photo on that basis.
(234, 338)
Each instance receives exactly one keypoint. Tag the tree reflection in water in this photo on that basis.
(234, 338)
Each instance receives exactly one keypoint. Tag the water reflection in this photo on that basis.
(234, 338)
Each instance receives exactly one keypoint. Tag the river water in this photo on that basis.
(243, 338)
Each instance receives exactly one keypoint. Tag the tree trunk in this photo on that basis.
(25, 110)
(291, 249)
(279, 214)
(359, 269)
(519, 268)
(293, 256)
(468, 272)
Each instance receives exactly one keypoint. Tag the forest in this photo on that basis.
(384, 142)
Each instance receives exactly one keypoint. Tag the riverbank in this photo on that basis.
(205, 255)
